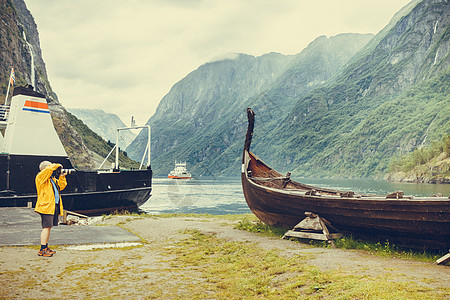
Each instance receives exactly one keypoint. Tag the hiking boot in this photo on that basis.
(45, 253)
(50, 251)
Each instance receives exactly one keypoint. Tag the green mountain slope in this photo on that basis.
(202, 119)
(104, 124)
(99, 146)
(428, 164)
(384, 103)
(361, 141)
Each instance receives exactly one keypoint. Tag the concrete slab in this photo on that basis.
(22, 226)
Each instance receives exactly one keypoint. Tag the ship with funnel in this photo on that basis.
(29, 137)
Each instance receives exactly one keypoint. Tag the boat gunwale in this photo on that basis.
(383, 213)
(301, 192)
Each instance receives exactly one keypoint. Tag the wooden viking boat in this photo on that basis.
(403, 220)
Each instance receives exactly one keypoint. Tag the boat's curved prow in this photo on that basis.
(251, 125)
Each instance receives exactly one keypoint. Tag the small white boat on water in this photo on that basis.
(180, 171)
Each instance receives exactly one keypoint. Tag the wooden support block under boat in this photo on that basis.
(313, 227)
(312, 235)
(311, 222)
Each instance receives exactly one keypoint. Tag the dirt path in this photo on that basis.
(100, 273)
(159, 230)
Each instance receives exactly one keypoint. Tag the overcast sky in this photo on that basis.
(124, 56)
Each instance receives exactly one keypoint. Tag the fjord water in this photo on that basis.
(223, 195)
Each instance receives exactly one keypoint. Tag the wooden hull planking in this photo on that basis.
(277, 200)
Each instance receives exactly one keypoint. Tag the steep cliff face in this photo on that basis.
(413, 50)
(314, 67)
(219, 84)
(11, 48)
(18, 25)
(20, 49)
(201, 119)
(385, 102)
(203, 106)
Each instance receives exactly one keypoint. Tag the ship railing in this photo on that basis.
(4, 114)
(116, 148)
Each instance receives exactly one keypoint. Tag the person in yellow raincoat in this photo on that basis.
(49, 183)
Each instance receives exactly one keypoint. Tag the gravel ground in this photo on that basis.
(79, 273)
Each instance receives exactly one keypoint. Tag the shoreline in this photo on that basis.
(410, 177)
(204, 256)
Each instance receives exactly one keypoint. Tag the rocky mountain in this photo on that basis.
(391, 98)
(104, 124)
(20, 49)
(429, 164)
(202, 120)
(16, 29)
(198, 105)
(342, 107)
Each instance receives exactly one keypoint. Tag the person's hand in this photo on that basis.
(64, 172)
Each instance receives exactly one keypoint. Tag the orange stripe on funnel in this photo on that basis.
(35, 104)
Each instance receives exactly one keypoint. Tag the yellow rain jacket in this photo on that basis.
(46, 196)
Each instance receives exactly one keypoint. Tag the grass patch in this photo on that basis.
(249, 222)
(242, 270)
(347, 242)
(387, 249)
(202, 266)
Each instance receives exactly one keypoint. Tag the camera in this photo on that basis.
(58, 172)
(68, 171)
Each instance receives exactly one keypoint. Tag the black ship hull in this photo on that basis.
(87, 192)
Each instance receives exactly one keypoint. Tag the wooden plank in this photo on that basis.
(311, 235)
(324, 228)
(326, 232)
(306, 235)
(68, 212)
(444, 259)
